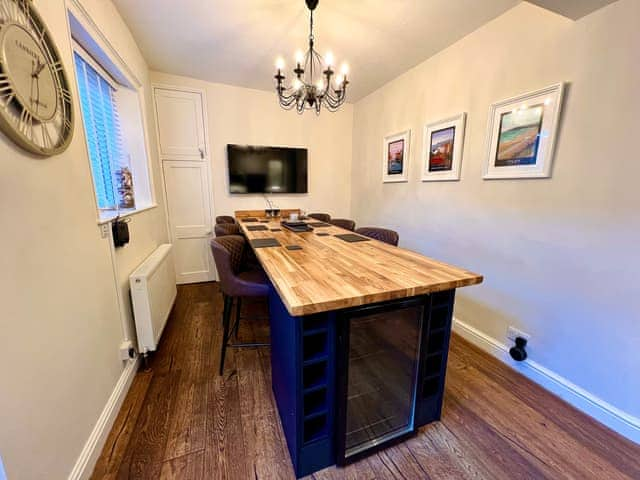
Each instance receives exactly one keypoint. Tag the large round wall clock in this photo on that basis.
(35, 99)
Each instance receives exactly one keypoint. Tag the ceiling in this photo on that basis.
(237, 41)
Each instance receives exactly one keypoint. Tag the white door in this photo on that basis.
(189, 209)
(180, 121)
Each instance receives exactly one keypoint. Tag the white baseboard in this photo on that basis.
(614, 418)
(91, 451)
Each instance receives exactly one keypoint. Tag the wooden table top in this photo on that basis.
(330, 274)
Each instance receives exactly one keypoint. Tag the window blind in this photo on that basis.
(104, 136)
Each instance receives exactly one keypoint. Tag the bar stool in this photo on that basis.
(225, 219)
(228, 252)
(384, 235)
(343, 223)
(323, 217)
(222, 229)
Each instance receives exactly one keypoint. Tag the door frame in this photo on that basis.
(207, 157)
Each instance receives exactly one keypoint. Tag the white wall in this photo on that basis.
(61, 328)
(560, 255)
(245, 116)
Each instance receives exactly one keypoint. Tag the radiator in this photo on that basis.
(153, 291)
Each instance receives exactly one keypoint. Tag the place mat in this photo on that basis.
(319, 224)
(249, 219)
(264, 221)
(352, 237)
(275, 229)
(264, 242)
(257, 228)
(322, 234)
(293, 247)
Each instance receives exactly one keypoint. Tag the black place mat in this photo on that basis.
(264, 221)
(249, 219)
(264, 242)
(352, 237)
(319, 224)
(275, 229)
(322, 234)
(293, 247)
(257, 228)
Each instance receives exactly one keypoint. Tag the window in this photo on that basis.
(110, 167)
(112, 104)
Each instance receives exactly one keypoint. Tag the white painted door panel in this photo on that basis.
(189, 210)
(180, 124)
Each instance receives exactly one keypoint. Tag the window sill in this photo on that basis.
(108, 216)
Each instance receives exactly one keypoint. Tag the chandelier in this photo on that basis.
(312, 86)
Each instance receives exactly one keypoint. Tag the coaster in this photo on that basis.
(293, 247)
(322, 234)
(264, 242)
(264, 221)
(319, 224)
(257, 228)
(275, 229)
(352, 237)
(249, 219)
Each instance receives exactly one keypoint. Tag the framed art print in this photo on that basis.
(442, 149)
(521, 134)
(395, 163)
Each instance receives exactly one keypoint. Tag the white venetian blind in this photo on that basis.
(104, 137)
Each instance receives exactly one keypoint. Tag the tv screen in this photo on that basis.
(254, 169)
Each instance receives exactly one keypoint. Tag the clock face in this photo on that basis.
(35, 100)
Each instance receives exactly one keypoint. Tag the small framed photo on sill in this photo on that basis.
(442, 153)
(395, 162)
(521, 134)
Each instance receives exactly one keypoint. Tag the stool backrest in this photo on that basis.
(383, 234)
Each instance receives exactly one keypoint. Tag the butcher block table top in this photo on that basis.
(331, 274)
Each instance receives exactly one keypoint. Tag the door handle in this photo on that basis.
(201, 153)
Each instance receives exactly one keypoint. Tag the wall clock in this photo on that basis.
(35, 100)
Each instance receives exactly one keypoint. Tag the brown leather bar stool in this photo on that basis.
(228, 252)
(225, 219)
(323, 217)
(222, 229)
(384, 235)
(343, 223)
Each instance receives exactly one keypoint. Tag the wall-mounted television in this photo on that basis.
(255, 169)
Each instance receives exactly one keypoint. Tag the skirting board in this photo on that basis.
(614, 418)
(89, 455)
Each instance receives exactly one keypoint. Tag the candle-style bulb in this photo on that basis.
(328, 58)
(280, 63)
(344, 69)
(299, 56)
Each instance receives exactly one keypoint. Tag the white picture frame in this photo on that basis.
(521, 134)
(396, 157)
(442, 147)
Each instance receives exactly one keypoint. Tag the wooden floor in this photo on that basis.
(181, 420)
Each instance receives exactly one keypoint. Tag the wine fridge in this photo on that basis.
(388, 358)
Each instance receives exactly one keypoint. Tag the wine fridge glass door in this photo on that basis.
(381, 360)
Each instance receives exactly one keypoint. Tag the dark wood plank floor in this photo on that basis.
(180, 420)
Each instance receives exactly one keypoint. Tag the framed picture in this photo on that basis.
(522, 133)
(442, 154)
(395, 163)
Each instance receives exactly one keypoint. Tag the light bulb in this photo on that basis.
(296, 84)
(329, 59)
(299, 56)
(320, 84)
(339, 80)
(280, 63)
(344, 69)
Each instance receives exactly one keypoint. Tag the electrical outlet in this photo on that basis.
(127, 352)
(513, 332)
(104, 229)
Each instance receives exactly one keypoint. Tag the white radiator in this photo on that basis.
(153, 291)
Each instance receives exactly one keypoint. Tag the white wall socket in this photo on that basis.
(104, 229)
(125, 347)
(513, 332)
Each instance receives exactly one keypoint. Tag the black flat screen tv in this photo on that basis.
(255, 169)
